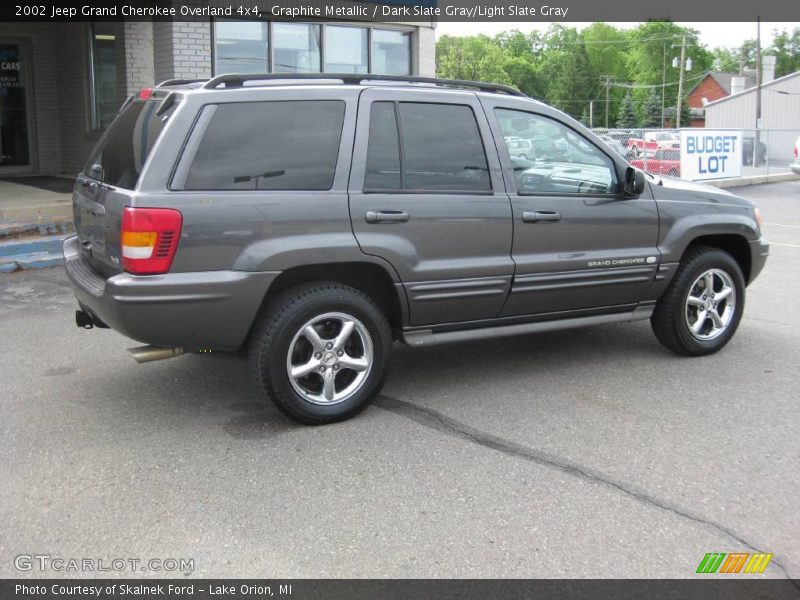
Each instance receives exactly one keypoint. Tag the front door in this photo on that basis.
(578, 243)
(15, 149)
(427, 195)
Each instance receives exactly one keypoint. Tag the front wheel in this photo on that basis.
(320, 352)
(702, 307)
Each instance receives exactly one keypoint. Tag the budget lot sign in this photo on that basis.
(711, 153)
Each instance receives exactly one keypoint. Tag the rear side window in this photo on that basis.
(437, 147)
(383, 155)
(123, 151)
(269, 146)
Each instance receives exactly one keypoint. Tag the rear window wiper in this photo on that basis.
(244, 178)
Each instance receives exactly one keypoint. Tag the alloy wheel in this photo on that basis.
(330, 358)
(710, 304)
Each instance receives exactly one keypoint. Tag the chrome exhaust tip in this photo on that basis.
(144, 354)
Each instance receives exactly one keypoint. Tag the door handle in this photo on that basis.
(386, 216)
(535, 216)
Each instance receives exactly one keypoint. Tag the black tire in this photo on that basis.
(669, 319)
(280, 323)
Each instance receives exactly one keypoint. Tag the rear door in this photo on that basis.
(105, 186)
(426, 194)
(578, 243)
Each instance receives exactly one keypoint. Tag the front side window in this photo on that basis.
(439, 148)
(241, 47)
(296, 48)
(104, 74)
(549, 157)
(278, 145)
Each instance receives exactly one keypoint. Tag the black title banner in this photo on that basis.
(404, 10)
(405, 589)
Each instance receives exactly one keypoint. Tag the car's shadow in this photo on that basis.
(206, 386)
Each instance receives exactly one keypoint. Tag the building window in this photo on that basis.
(104, 74)
(240, 47)
(296, 48)
(391, 52)
(291, 47)
(346, 49)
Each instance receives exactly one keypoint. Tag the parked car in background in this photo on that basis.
(663, 162)
(747, 151)
(616, 145)
(520, 147)
(663, 139)
(795, 166)
(637, 146)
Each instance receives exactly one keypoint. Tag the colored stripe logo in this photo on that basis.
(734, 562)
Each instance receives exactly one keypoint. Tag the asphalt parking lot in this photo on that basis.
(583, 453)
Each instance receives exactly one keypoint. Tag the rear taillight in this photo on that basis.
(796, 150)
(149, 239)
(145, 93)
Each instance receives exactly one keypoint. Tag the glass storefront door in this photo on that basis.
(15, 151)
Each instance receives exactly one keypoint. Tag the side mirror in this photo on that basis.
(633, 185)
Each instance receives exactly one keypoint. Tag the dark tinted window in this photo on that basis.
(269, 146)
(442, 148)
(122, 153)
(383, 150)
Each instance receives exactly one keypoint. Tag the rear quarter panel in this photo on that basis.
(255, 230)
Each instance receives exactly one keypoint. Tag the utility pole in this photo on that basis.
(607, 79)
(680, 84)
(758, 90)
(591, 114)
(663, 84)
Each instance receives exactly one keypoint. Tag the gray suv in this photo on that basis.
(311, 220)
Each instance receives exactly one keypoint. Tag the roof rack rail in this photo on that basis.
(169, 82)
(238, 80)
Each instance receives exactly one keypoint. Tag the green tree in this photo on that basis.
(626, 119)
(564, 66)
(650, 55)
(786, 48)
(477, 58)
(652, 110)
(686, 115)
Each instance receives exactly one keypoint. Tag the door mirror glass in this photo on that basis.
(634, 182)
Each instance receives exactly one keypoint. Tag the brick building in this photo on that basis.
(713, 86)
(61, 83)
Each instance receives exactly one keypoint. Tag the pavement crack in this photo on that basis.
(433, 419)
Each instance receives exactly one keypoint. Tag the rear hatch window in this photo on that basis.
(122, 152)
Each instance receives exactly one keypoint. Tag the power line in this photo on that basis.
(643, 86)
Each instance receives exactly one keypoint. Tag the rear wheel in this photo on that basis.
(320, 352)
(702, 307)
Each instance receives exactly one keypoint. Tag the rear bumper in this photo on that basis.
(759, 251)
(208, 309)
(795, 167)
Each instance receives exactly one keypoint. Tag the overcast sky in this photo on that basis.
(712, 34)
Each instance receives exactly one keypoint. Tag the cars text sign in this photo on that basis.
(710, 154)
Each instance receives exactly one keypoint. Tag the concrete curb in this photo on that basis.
(754, 180)
(31, 253)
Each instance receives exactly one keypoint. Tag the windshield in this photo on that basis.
(123, 150)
